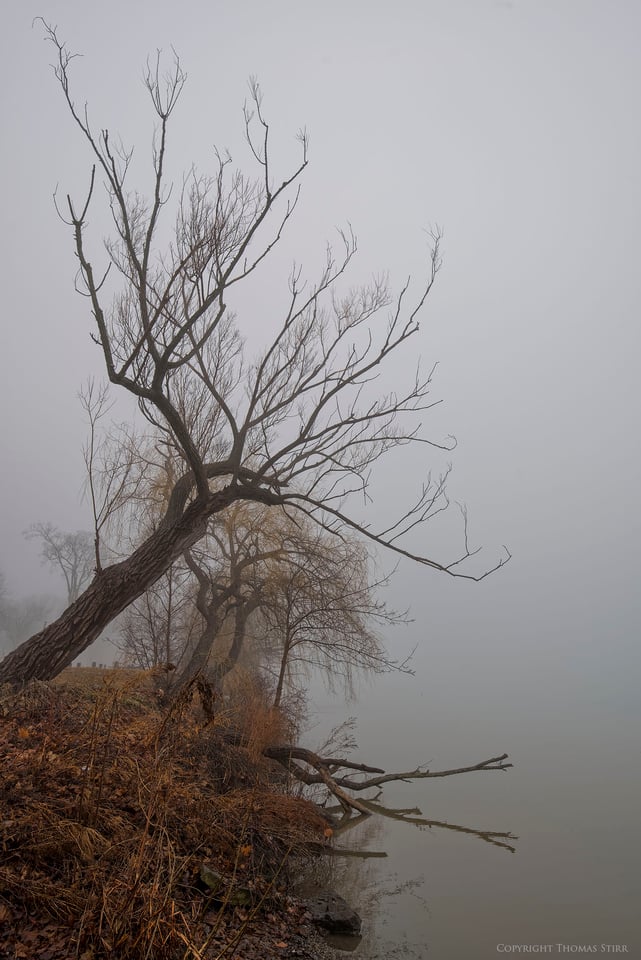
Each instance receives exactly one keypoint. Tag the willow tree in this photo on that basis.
(299, 424)
(232, 570)
(324, 613)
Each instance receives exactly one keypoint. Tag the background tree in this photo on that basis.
(324, 613)
(4, 612)
(298, 424)
(3, 593)
(115, 471)
(231, 568)
(71, 554)
(157, 628)
(301, 600)
(20, 616)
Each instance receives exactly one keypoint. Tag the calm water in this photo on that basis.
(572, 800)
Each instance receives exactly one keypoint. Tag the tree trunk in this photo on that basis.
(47, 653)
(198, 663)
(170, 611)
(200, 654)
(281, 675)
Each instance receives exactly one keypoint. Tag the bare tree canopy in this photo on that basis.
(155, 628)
(299, 424)
(71, 554)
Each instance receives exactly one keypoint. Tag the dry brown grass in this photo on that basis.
(93, 678)
(260, 723)
(109, 807)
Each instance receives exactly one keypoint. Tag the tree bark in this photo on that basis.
(200, 654)
(47, 653)
(198, 664)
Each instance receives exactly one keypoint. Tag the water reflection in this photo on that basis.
(353, 867)
(395, 880)
(415, 817)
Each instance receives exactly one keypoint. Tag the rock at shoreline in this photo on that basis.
(334, 914)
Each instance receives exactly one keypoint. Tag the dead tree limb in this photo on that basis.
(494, 763)
(322, 770)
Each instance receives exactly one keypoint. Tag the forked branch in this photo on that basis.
(310, 768)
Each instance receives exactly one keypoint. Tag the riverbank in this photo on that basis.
(131, 831)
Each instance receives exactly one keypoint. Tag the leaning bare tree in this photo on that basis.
(299, 425)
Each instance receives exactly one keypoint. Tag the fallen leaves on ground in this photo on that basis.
(109, 808)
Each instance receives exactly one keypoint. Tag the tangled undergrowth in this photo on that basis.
(131, 831)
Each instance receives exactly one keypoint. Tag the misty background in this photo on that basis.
(510, 125)
(513, 126)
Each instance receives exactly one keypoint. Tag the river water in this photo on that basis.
(566, 707)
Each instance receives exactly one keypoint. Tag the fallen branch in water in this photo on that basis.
(323, 770)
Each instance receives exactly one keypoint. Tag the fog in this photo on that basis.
(511, 125)
(514, 127)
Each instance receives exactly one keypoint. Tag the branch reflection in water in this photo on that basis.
(356, 872)
(414, 816)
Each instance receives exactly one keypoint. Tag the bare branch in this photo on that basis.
(291, 758)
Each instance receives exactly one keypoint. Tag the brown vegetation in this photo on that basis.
(115, 816)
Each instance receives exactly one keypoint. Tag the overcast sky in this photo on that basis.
(513, 125)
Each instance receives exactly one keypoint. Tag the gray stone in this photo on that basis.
(334, 914)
